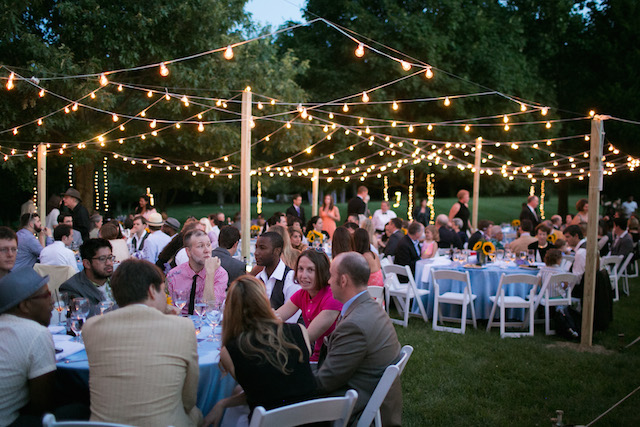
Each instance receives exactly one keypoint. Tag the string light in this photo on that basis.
(359, 52)
(228, 53)
(429, 73)
(405, 65)
(259, 201)
(447, 102)
(97, 190)
(542, 199)
(345, 108)
(164, 71)
(365, 97)
(410, 197)
(103, 80)
(385, 191)
(9, 84)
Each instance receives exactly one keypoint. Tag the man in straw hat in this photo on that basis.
(157, 240)
(72, 199)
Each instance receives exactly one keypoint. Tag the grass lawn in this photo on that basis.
(497, 209)
(479, 379)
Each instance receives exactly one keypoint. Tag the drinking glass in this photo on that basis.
(105, 306)
(76, 326)
(180, 298)
(200, 308)
(531, 255)
(81, 307)
(523, 256)
(213, 318)
(492, 257)
(500, 254)
(62, 305)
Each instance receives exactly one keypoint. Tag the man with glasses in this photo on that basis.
(92, 283)
(29, 247)
(8, 250)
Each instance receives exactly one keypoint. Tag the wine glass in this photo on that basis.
(62, 305)
(213, 318)
(500, 254)
(523, 256)
(180, 298)
(76, 326)
(105, 306)
(531, 255)
(200, 308)
(81, 307)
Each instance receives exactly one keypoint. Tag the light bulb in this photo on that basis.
(103, 80)
(505, 119)
(592, 113)
(429, 73)
(506, 127)
(393, 124)
(75, 106)
(447, 102)
(200, 127)
(260, 106)
(185, 100)
(523, 107)
(365, 97)
(548, 125)
(360, 50)
(115, 117)
(15, 132)
(405, 65)
(143, 113)
(40, 122)
(41, 93)
(119, 88)
(153, 124)
(177, 125)
(10, 81)
(544, 111)
(345, 108)
(164, 71)
(273, 102)
(467, 128)
(66, 110)
(331, 115)
(167, 97)
(361, 121)
(200, 116)
(150, 94)
(410, 128)
(122, 128)
(304, 114)
(228, 53)
(430, 127)
(395, 106)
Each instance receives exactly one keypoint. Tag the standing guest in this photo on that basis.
(358, 205)
(53, 210)
(622, 241)
(409, 248)
(430, 245)
(94, 228)
(330, 214)
(582, 206)
(143, 362)
(448, 237)
(217, 222)
(363, 344)
(529, 211)
(296, 209)
(574, 237)
(157, 240)
(8, 250)
(456, 225)
(341, 242)
(422, 213)
(362, 245)
(524, 240)
(29, 247)
(71, 199)
(289, 254)
(461, 210)
(629, 207)
(67, 219)
(382, 216)
(228, 240)
(202, 274)
(92, 282)
(138, 234)
(481, 233)
(295, 235)
(314, 299)
(111, 232)
(58, 253)
(394, 233)
(145, 208)
(268, 358)
(276, 275)
(541, 245)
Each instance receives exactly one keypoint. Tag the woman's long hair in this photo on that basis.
(321, 262)
(361, 243)
(341, 242)
(289, 254)
(324, 205)
(249, 320)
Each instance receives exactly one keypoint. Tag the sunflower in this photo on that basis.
(314, 235)
(255, 228)
(552, 238)
(169, 300)
(488, 248)
(515, 223)
(404, 230)
(477, 246)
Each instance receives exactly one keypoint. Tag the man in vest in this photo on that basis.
(276, 276)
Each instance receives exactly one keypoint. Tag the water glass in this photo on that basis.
(105, 306)
(81, 307)
(531, 255)
(61, 305)
(500, 254)
(76, 326)
(180, 298)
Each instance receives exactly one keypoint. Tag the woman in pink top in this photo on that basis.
(363, 245)
(319, 309)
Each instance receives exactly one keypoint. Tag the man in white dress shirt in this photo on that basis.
(382, 216)
(158, 239)
(58, 253)
(139, 234)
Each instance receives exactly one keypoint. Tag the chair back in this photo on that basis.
(58, 274)
(377, 293)
(334, 409)
(528, 279)
(49, 420)
(371, 412)
(459, 276)
(611, 263)
(556, 285)
(567, 262)
(624, 264)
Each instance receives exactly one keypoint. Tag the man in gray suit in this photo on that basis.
(92, 282)
(363, 344)
(622, 241)
(227, 246)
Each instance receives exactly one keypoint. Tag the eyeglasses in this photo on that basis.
(7, 250)
(42, 296)
(105, 258)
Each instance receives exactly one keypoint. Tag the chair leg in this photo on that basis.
(547, 320)
(531, 314)
(407, 306)
(463, 317)
(493, 313)
(436, 311)
(502, 321)
(473, 313)
(615, 288)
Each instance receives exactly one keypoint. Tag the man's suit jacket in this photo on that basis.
(79, 286)
(358, 351)
(406, 254)
(473, 239)
(392, 243)
(623, 246)
(527, 214)
(235, 268)
(521, 244)
(449, 238)
(144, 367)
(356, 206)
(291, 210)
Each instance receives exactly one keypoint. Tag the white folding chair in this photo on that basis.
(49, 420)
(612, 264)
(567, 262)
(551, 295)
(504, 302)
(377, 293)
(623, 274)
(464, 299)
(58, 274)
(632, 272)
(335, 409)
(371, 412)
(403, 293)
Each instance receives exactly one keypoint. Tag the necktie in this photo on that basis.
(192, 297)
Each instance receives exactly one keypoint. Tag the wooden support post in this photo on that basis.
(42, 182)
(595, 186)
(245, 174)
(476, 183)
(315, 182)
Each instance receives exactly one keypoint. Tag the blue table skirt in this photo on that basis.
(213, 385)
(484, 284)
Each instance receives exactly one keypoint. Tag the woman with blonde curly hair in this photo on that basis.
(289, 254)
(269, 359)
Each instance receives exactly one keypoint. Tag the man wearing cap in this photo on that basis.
(92, 282)
(157, 240)
(29, 247)
(171, 227)
(26, 349)
(71, 199)
(8, 250)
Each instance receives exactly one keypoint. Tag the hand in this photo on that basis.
(170, 309)
(47, 232)
(211, 265)
(214, 416)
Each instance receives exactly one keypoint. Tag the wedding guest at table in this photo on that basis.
(228, 240)
(268, 358)
(393, 231)
(456, 225)
(277, 218)
(217, 221)
(422, 213)
(145, 208)
(351, 227)
(296, 208)
(373, 237)
(29, 247)
(552, 261)
(58, 253)
(143, 362)
(67, 219)
(562, 246)
(289, 254)
(363, 344)
(92, 282)
(138, 234)
(622, 241)
(524, 240)
(362, 245)
(95, 224)
(295, 235)
(8, 250)
(430, 244)
(582, 206)
(168, 257)
(409, 248)
(353, 218)
(341, 242)
(382, 216)
(460, 209)
(314, 299)
(480, 233)
(157, 239)
(201, 277)
(276, 275)
(497, 236)
(605, 238)
(330, 214)
(111, 232)
(541, 245)
(448, 237)
(529, 211)
(574, 237)
(315, 224)
(53, 210)
(358, 204)
(72, 200)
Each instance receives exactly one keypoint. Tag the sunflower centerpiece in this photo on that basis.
(483, 249)
(315, 238)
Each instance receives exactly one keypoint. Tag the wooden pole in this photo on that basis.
(595, 186)
(42, 181)
(476, 183)
(315, 182)
(245, 174)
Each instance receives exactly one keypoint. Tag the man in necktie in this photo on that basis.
(382, 216)
(201, 278)
(296, 209)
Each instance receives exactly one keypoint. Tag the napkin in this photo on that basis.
(55, 329)
(68, 347)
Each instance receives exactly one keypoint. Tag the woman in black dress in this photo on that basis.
(541, 246)
(268, 358)
(461, 210)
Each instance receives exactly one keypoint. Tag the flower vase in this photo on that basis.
(482, 258)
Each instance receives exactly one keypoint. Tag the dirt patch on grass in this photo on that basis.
(596, 349)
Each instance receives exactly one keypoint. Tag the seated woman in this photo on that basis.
(315, 299)
(341, 242)
(315, 225)
(295, 235)
(361, 244)
(268, 358)
(430, 245)
(541, 245)
(111, 232)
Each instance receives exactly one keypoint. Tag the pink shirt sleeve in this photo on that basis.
(297, 298)
(330, 303)
(220, 281)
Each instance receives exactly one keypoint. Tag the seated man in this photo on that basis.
(409, 249)
(448, 237)
(143, 362)
(622, 241)
(28, 368)
(29, 247)
(67, 219)
(393, 230)
(92, 283)
(58, 253)
(574, 237)
(8, 250)
(228, 239)
(363, 344)
(521, 244)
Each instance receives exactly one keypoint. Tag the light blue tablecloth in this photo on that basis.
(212, 385)
(484, 283)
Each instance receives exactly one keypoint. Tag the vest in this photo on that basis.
(277, 294)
